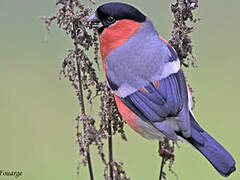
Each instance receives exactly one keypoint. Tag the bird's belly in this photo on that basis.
(148, 131)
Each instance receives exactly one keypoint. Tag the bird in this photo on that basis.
(144, 73)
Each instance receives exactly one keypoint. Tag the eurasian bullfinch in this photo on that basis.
(149, 86)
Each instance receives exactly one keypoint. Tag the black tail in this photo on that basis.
(211, 149)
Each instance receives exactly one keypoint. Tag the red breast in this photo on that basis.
(129, 116)
(115, 35)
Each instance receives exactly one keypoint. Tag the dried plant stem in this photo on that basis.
(82, 107)
(90, 165)
(110, 148)
(161, 153)
(166, 151)
(161, 168)
(78, 68)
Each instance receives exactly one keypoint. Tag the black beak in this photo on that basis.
(94, 18)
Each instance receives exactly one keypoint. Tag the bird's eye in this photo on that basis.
(110, 20)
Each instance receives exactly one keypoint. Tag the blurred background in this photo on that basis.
(37, 111)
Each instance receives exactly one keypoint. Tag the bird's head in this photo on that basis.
(118, 23)
(113, 13)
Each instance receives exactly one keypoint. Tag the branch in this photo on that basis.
(79, 69)
(161, 168)
(166, 151)
(82, 107)
(110, 148)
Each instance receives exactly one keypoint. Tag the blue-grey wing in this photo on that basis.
(158, 101)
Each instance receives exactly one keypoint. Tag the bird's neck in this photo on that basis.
(116, 35)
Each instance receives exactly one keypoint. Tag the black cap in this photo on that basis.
(120, 11)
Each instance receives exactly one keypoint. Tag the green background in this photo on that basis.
(37, 111)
